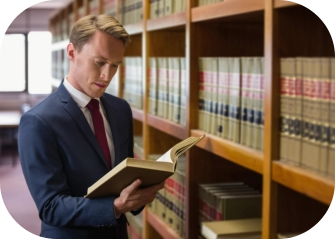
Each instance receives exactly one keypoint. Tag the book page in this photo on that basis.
(165, 157)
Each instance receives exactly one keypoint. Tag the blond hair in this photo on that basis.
(85, 27)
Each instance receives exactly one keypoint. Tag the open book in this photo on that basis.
(150, 172)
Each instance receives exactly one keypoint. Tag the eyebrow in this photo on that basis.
(119, 62)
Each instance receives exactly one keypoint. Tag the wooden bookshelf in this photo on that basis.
(304, 181)
(160, 226)
(239, 154)
(174, 20)
(167, 126)
(232, 28)
(225, 9)
(134, 28)
(137, 114)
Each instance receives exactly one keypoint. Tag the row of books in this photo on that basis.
(307, 137)
(132, 81)
(228, 201)
(206, 2)
(169, 204)
(160, 8)
(62, 28)
(134, 226)
(131, 11)
(60, 64)
(167, 88)
(231, 99)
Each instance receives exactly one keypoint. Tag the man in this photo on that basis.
(69, 141)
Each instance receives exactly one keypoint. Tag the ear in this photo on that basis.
(71, 51)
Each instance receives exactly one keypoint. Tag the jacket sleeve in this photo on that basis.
(46, 179)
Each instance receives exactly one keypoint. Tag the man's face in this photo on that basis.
(96, 64)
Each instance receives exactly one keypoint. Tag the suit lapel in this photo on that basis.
(71, 107)
(111, 113)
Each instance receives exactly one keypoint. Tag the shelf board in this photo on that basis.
(137, 114)
(164, 230)
(281, 3)
(167, 126)
(134, 28)
(236, 153)
(61, 45)
(225, 9)
(173, 20)
(304, 181)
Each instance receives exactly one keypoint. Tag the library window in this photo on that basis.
(39, 58)
(12, 63)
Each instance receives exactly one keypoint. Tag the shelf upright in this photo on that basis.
(271, 121)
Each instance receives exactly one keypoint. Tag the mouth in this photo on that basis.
(100, 85)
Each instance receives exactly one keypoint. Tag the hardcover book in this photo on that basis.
(150, 172)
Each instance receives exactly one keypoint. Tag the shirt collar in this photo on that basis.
(79, 97)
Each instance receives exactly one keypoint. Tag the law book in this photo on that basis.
(110, 7)
(201, 97)
(223, 98)
(214, 96)
(258, 104)
(94, 10)
(331, 147)
(153, 8)
(324, 99)
(234, 99)
(307, 65)
(152, 108)
(150, 172)
(287, 72)
(183, 91)
(231, 229)
(247, 113)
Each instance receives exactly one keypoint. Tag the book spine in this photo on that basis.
(223, 100)
(257, 87)
(183, 91)
(324, 99)
(207, 93)
(152, 104)
(176, 90)
(234, 100)
(201, 98)
(168, 7)
(298, 111)
(110, 7)
(171, 83)
(246, 101)
(331, 147)
(94, 7)
(214, 96)
(286, 68)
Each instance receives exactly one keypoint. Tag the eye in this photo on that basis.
(115, 66)
(100, 63)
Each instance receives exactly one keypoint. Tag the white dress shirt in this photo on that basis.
(82, 100)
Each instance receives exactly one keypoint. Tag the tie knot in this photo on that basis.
(93, 104)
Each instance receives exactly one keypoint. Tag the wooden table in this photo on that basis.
(10, 120)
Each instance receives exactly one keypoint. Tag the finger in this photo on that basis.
(133, 186)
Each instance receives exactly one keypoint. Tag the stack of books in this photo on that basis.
(167, 88)
(130, 11)
(135, 225)
(307, 111)
(110, 7)
(207, 2)
(231, 99)
(228, 201)
(160, 8)
(132, 77)
(169, 204)
(233, 229)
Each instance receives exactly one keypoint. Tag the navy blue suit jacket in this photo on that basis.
(61, 158)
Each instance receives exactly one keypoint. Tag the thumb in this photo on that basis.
(134, 185)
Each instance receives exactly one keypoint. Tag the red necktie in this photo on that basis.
(99, 129)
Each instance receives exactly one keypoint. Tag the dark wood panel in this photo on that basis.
(167, 43)
(159, 141)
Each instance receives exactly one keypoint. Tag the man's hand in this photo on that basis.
(133, 197)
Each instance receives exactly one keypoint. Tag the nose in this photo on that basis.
(105, 74)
